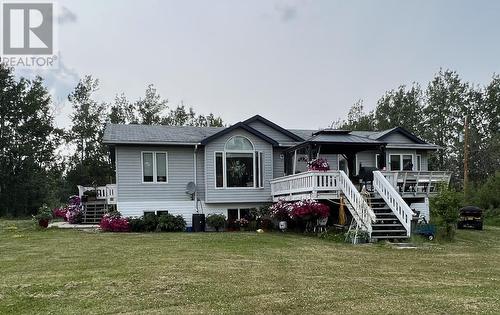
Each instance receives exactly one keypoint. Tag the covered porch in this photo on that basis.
(339, 147)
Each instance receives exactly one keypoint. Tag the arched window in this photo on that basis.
(238, 143)
(239, 165)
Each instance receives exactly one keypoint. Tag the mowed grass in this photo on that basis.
(75, 272)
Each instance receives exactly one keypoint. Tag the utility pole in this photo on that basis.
(466, 158)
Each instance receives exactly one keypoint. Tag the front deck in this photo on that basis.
(325, 185)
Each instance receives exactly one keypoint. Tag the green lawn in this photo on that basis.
(65, 271)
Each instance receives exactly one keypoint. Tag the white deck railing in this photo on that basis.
(361, 209)
(417, 182)
(107, 192)
(313, 183)
(393, 199)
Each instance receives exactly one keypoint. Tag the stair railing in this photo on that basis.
(392, 198)
(363, 213)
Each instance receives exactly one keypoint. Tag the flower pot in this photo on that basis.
(44, 223)
(282, 225)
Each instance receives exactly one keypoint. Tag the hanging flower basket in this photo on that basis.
(319, 164)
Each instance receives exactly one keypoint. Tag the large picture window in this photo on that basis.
(154, 167)
(239, 166)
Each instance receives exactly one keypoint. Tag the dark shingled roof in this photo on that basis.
(187, 135)
(145, 134)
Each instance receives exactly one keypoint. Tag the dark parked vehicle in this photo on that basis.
(470, 217)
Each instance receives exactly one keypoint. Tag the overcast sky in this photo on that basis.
(301, 64)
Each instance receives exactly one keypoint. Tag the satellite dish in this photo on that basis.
(191, 188)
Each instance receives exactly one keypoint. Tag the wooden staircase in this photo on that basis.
(387, 225)
(93, 211)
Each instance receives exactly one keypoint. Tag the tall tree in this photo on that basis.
(447, 103)
(90, 164)
(119, 110)
(28, 140)
(152, 107)
(400, 107)
(357, 119)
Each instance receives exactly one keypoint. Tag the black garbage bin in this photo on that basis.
(198, 222)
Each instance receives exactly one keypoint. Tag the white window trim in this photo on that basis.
(154, 167)
(255, 154)
(377, 157)
(224, 170)
(401, 162)
(418, 166)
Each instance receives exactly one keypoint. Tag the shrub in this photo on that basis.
(113, 222)
(486, 196)
(280, 210)
(170, 223)
(150, 222)
(179, 223)
(216, 221)
(137, 224)
(445, 206)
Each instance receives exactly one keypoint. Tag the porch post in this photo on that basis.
(294, 161)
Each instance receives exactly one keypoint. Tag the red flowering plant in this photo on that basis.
(60, 213)
(318, 164)
(113, 222)
(280, 210)
(309, 210)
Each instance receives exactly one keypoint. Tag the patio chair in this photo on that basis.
(321, 225)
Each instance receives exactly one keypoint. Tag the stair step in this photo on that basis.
(389, 231)
(386, 224)
(389, 236)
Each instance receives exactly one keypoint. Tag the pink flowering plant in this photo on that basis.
(319, 164)
(242, 222)
(280, 210)
(74, 210)
(114, 222)
(309, 210)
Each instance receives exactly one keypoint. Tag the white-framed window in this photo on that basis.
(154, 167)
(418, 162)
(239, 165)
(401, 162)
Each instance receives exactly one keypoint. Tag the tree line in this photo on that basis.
(437, 113)
(40, 163)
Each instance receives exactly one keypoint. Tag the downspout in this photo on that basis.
(195, 175)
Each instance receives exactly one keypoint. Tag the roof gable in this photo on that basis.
(273, 126)
(385, 134)
(244, 127)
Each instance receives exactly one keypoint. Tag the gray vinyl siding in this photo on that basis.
(240, 195)
(397, 138)
(278, 163)
(200, 173)
(129, 174)
(270, 132)
(366, 159)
